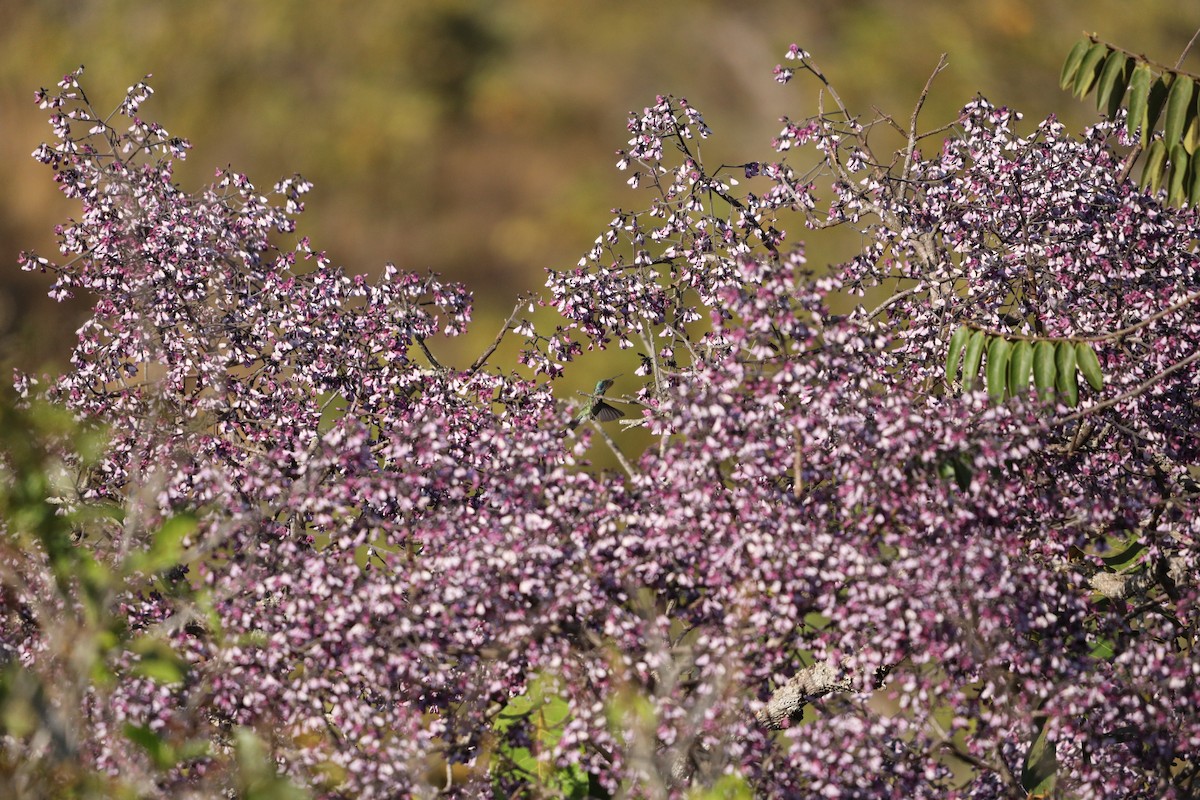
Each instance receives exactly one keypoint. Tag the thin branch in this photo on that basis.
(798, 466)
(1141, 388)
(912, 125)
(425, 349)
(479, 362)
(1112, 336)
(1142, 57)
(811, 67)
(1130, 160)
(625, 465)
(897, 297)
(1183, 55)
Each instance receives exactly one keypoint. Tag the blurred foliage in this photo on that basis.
(476, 138)
(68, 573)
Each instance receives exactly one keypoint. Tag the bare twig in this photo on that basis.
(912, 125)
(798, 467)
(1188, 47)
(811, 67)
(479, 362)
(425, 349)
(897, 297)
(625, 465)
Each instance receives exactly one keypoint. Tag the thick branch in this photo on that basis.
(808, 684)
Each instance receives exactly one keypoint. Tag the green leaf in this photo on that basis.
(1152, 170)
(1191, 134)
(727, 787)
(1177, 186)
(23, 695)
(161, 753)
(963, 472)
(1194, 185)
(1089, 69)
(517, 708)
(1043, 369)
(166, 546)
(1020, 368)
(1103, 650)
(523, 760)
(1089, 365)
(1139, 97)
(1159, 91)
(1179, 108)
(1114, 77)
(1125, 557)
(971, 359)
(1041, 763)
(158, 662)
(257, 778)
(555, 712)
(957, 342)
(1071, 65)
(997, 368)
(1065, 380)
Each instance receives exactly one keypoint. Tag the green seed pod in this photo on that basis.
(1065, 380)
(971, 359)
(1043, 369)
(1020, 368)
(1089, 365)
(997, 368)
(957, 342)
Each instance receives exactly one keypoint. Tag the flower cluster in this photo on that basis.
(832, 574)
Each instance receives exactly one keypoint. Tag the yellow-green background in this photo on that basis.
(476, 137)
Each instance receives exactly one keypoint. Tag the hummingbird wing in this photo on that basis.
(606, 413)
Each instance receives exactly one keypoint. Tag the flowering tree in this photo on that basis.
(308, 556)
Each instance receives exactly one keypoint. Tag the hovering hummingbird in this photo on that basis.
(596, 407)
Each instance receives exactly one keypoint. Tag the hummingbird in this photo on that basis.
(596, 407)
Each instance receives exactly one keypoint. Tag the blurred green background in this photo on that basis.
(476, 137)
